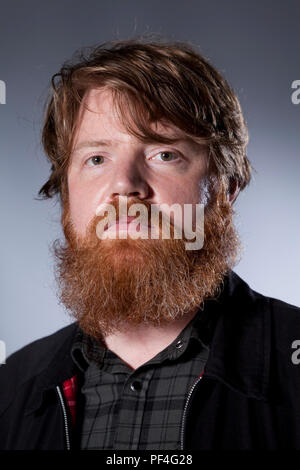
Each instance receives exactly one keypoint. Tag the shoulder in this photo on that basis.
(241, 294)
(276, 325)
(280, 319)
(31, 360)
(36, 355)
(252, 318)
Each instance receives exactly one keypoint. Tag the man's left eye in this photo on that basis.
(167, 156)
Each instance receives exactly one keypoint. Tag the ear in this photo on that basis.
(233, 190)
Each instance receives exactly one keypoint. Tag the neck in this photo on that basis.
(140, 343)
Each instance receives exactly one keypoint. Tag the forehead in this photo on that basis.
(98, 117)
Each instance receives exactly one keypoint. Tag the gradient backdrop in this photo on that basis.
(255, 44)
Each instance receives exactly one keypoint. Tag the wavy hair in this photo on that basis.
(150, 80)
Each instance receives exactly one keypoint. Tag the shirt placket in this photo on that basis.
(132, 407)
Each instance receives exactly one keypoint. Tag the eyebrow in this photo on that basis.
(107, 143)
(93, 143)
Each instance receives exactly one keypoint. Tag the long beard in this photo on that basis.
(110, 285)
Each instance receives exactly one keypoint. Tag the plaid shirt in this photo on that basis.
(138, 409)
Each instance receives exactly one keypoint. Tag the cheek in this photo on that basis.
(186, 192)
(80, 206)
(196, 191)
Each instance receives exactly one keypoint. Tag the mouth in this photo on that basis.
(124, 224)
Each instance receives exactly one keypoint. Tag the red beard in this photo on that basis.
(109, 285)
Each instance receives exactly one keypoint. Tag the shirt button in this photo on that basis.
(179, 344)
(136, 386)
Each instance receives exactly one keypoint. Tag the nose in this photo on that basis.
(129, 181)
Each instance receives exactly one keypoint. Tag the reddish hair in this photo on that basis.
(150, 81)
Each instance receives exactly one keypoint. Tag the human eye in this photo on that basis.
(94, 160)
(167, 156)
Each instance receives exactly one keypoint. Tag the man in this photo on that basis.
(170, 348)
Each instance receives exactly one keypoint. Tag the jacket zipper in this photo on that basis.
(185, 410)
(182, 424)
(65, 417)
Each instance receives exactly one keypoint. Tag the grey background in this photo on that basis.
(255, 44)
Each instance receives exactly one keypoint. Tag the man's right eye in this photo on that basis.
(95, 160)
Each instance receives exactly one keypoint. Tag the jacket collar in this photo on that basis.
(236, 325)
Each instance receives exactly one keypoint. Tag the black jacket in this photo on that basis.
(247, 398)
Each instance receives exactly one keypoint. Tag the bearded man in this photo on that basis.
(170, 349)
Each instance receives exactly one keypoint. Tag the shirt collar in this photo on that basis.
(86, 349)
